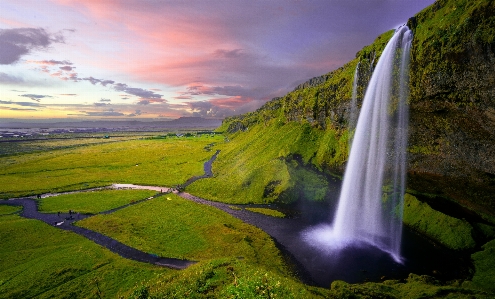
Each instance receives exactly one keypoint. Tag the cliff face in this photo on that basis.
(452, 103)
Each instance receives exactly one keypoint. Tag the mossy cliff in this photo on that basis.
(452, 108)
(452, 103)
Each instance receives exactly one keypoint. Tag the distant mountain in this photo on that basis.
(180, 123)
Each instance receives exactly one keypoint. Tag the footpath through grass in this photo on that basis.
(92, 202)
(160, 162)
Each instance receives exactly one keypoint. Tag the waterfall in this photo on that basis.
(371, 200)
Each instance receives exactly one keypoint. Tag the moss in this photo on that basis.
(484, 264)
(452, 232)
(266, 211)
(415, 286)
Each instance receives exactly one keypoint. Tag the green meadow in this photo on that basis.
(160, 162)
(60, 141)
(92, 202)
(202, 233)
(7, 210)
(40, 261)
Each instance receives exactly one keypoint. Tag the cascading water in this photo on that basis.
(371, 200)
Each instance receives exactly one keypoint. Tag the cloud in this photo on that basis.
(236, 90)
(224, 107)
(146, 96)
(68, 94)
(106, 113)
(236, 53)
(66, 68)
(105, 100)
(35, 97)
(149, 101)
(17, 42)
(142, 93)
(183, 97)
(100, 104)
(24, 109)
(92, 80)
(24, 104)
(50, 62)
(207, 109)
(8, 79)
(137, 113)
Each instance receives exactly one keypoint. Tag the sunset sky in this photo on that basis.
(107, 59)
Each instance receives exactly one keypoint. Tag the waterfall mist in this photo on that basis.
(371, 200)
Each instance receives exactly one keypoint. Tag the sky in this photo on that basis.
(152, 59)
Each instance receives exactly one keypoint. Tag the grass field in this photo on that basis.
(161, 162)
(92, 202)
(7, 210)
(171, 226)
(60, 141)
(40, 261)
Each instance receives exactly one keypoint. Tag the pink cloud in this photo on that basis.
(50, 62)
(232, 102)
(145, 101)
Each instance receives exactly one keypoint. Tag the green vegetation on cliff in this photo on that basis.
(452, 87)
(484, 263)
(266, 163)
(449, 231)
